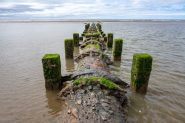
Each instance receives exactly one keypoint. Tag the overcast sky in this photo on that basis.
(92, 9)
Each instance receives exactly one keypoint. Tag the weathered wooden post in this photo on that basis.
(52, 71)
(76, 39)
(87, 26)
(99, 26)
(110, 40)
(140, 73)
(117, 48)
(69, 48)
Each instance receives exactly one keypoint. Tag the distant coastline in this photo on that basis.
(94, 20)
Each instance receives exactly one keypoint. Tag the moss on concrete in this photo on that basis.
(140, 73)
(101, 80)
(52, 71)
(110, 40)
(69, 48)
(76, 39)
(117, 47)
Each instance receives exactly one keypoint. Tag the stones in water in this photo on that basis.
(140, 72)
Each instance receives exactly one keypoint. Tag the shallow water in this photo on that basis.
(23, 97)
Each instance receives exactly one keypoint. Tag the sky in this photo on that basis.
(91, 9)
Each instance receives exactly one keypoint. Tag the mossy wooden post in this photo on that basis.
(52, 71)
(99, 26)
(117, 48)
(87, 26)
(69, 48)
(110, 40)
(140, 73)
(76, 39)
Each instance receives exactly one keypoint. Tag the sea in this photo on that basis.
(24, 99)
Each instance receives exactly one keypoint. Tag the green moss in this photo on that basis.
(92, 34)
(69, 48)
(110, 40)
(96, 46)
(117, 47)
(76, 39)
(50, 56)
(52, 70)
(140, 72)
(90, 79)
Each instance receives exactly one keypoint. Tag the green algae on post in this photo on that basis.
(76, 39)
(117, 47)
(69, 48)
(140, 73)
(110, 40)
(52, 71)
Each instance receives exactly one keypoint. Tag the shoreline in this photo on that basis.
(94, 20)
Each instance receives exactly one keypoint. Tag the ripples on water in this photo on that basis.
(23, 97)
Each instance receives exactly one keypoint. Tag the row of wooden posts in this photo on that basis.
(140, 72)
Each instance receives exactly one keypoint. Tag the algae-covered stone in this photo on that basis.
(117, 47)
(76, 39)
(52, 71)
(69, 48)
(110, 40)
(140, 73)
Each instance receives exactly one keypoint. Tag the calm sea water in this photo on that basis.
(23, 97)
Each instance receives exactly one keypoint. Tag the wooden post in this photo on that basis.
(117, 47)
(87, 26)
(110, 40)
(69, 48)
(140, 73)
(52, 71)
(76, 39)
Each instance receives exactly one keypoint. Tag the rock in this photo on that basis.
(79, 102)
(74, 112)
(90, 87)
(69, 111)
(105, 100)
(111, 112)
(105, 104)
(104, 115)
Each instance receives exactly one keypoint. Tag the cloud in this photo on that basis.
(66, 9)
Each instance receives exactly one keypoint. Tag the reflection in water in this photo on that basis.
(76, 51)
(21, 96)
(116, 58)
(70, 65)
(54, 104)
(137, 105)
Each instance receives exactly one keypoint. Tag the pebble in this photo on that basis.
(105, 104)
(104, 115)
(79, 102)
(90, 87)
(69, 111)
(74, 112)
